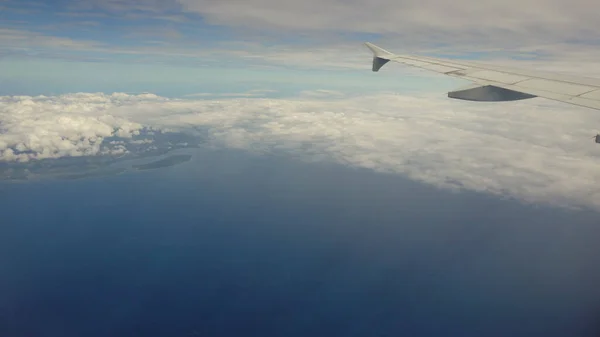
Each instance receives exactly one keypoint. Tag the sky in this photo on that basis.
(305, 164)
(176, 47)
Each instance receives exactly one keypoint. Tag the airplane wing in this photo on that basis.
(496, 83)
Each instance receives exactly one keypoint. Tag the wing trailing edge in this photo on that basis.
(488, 93)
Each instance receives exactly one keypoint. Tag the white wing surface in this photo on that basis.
(496, 83)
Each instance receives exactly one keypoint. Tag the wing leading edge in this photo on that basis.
(496, 83)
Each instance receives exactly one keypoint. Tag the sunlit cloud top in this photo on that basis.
(531, 150)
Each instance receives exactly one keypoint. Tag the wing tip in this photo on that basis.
(378, 51)
(380, 56)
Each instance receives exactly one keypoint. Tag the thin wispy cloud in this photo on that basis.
(319, 34)
(249, 93)
(412, 17)
(11, 38)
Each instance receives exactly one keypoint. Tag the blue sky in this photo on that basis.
(59, 47)
(34, 76)
(163, 46)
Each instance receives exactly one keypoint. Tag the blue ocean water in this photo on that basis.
(232, 244)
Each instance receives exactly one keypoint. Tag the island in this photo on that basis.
(94, 174)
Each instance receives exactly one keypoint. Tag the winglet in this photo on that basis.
(378, 51)
(380, 56)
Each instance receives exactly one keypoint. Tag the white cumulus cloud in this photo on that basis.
(535, 150)
(69, 125)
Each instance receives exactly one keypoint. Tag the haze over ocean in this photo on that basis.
(321, 199)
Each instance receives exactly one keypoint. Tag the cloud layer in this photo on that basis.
(534, 150)
(490, 22)
(311, 33)
(70, 125)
